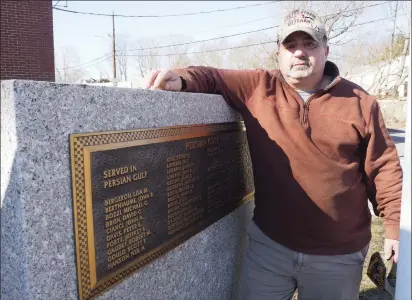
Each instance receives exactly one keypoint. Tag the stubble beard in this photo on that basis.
(300, 72)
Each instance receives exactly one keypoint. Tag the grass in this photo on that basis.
(368, 290)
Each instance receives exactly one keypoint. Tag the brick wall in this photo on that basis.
(27, 50)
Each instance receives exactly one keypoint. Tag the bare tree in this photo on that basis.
(209, 57)
(146, 60)
(66, 61)
(389, 57)
(103, 75)
(339, 16)
(245, 56)
(382, 76)
(269, 50)
(122, 57)
(178, 57)
(173, 50)
(374, 55)
(400, 76)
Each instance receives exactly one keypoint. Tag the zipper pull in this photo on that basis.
(305, 112)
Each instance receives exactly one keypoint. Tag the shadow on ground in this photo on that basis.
(395, 138)
(398, 139)
(393, 130)
(374, 294)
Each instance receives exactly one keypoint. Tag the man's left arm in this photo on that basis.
(384, 176)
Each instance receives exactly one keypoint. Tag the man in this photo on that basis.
(320, 150)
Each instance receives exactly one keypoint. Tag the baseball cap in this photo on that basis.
(302, 20)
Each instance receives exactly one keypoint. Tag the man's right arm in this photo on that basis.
(236, 86)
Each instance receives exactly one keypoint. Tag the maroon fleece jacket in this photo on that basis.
(315, 164)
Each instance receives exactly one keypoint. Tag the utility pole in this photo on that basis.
(114, 51)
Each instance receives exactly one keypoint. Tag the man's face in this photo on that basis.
(300, 56)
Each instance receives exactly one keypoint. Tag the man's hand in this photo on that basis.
(391, 247)
(163, 80)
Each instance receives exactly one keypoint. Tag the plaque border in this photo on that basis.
(81, 147)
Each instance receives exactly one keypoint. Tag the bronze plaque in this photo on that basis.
(139, 193)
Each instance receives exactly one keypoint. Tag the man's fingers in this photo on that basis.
(163, 80)
(396, 250)
(388, 247)
(173, 84)
(160, 81)
(150, 80)
(391, 248)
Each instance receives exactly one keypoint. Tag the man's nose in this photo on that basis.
(299, 53)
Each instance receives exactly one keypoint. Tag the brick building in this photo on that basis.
(27, 50)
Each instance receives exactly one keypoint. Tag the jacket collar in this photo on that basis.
(331, 70)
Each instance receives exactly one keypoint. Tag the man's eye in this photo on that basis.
(290, 46)
(311, 44)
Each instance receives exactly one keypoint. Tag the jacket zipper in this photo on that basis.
(305, 114)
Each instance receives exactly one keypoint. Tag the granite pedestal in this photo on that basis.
(38, 258)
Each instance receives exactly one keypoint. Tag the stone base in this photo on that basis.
(37, 238)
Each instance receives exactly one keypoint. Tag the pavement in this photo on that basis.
(398, 137)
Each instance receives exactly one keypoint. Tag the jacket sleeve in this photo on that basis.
(383, 173)
(236, 86)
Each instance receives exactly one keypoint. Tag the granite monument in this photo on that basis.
(117, 193)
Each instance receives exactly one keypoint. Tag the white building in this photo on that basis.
(381, 77)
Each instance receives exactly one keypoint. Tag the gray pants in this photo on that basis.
(273, 272)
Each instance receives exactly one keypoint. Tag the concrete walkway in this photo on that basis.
(398, 137)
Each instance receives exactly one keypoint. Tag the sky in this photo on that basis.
(86, 38)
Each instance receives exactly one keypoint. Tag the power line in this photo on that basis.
(56, 4)
(215, 50)
(232, 35)
(272, 16)
(377, 20)
(358, 8)
(162, 16)
(171, 54)
(205, 51)
(206, 40)
(197, 13)
(237, 34)
(268, 42)
(106, 57)
(213, 29)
